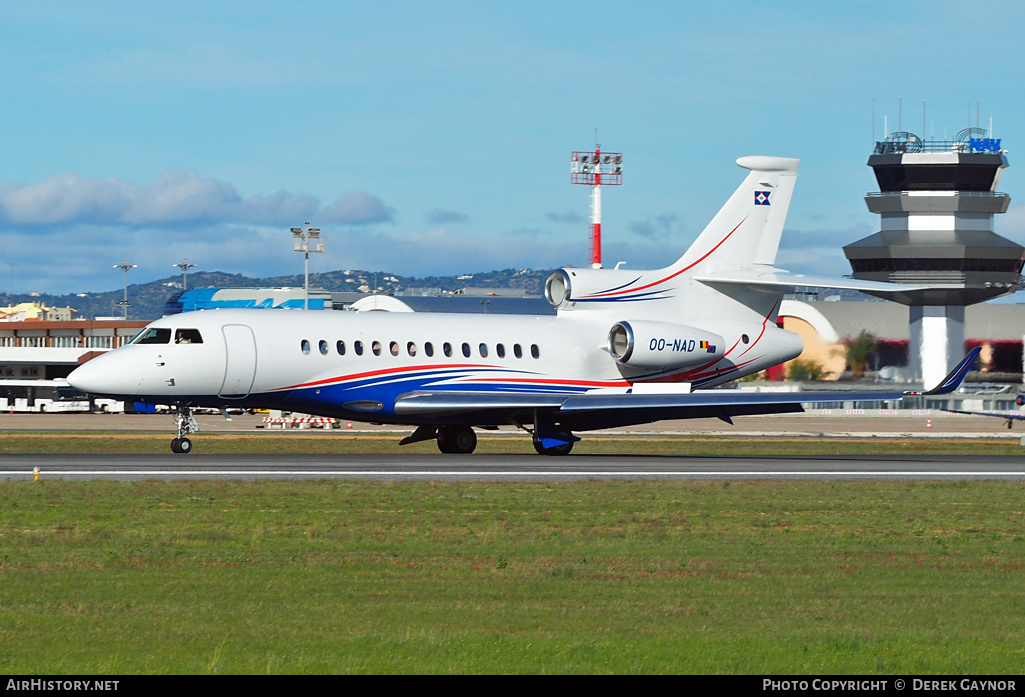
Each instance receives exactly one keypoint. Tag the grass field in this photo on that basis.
(587, 577)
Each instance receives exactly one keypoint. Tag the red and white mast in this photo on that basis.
(595, 169)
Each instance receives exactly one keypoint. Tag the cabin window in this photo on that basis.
(188, 336)
(500, 350)
(305, 345)
(447, 349)
(358, 347)
(466, 350)
(376, 348)
(517, 351)
(411, 348)
(153, 335)
(323, 347)
(429, 349)
(393, 347)
(340, 347)
(535, 352)
(483, 350)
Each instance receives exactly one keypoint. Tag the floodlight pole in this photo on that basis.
(586, 168)
(124, 266)
(301, 237)
(184, 266)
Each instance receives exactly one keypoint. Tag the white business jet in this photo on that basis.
(626, 347)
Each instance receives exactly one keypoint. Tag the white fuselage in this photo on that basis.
(356, 364)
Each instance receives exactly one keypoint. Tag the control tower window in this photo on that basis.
(963, 177)
(891, 265)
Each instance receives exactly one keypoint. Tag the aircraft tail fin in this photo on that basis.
(745, 232)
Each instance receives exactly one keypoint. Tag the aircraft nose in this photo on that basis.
(97, 377)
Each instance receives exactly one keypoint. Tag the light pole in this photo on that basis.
(124, 266)
(184, 266)
(594, 169)
(302, 236)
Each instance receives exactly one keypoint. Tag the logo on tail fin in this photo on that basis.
(762, 198)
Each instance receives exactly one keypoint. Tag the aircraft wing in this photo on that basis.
(453, 402)
(589, 411)
(721, 403)
(461, 402)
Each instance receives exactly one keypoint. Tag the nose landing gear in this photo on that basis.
(186, 424)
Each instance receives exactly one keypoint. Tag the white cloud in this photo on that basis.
(438, 216)
(661, 227)
(176, 198)
(357, 208)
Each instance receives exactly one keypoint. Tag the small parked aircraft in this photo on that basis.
(626, 347)
(1009, 416)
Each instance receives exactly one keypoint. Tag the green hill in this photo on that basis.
(147, 299)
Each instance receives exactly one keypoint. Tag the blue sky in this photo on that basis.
(434, 137)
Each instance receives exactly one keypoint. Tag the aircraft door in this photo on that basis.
(240, 367)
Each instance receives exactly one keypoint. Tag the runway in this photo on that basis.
(505, 468)
(478, 467)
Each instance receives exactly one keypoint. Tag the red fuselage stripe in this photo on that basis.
(671, 276)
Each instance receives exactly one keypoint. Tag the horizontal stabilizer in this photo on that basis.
(785, 281)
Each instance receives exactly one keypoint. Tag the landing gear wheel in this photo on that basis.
(184, 424)
(563, 449)
(456, 440)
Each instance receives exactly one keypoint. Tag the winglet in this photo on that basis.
(956, 376)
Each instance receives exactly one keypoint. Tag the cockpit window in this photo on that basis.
(153, 335)
(187, 336)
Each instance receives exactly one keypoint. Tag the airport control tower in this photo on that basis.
(936, 202)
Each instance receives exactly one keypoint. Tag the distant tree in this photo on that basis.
(859, 351)
(803, 371)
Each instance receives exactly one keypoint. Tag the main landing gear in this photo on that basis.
(561, 449)
(456, 440)
(186, 424)
(461, 440)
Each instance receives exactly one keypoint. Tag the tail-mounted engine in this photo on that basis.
(580, 289)
(662, 345)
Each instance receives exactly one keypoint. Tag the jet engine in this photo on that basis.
(663, 345)
(566, 287)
